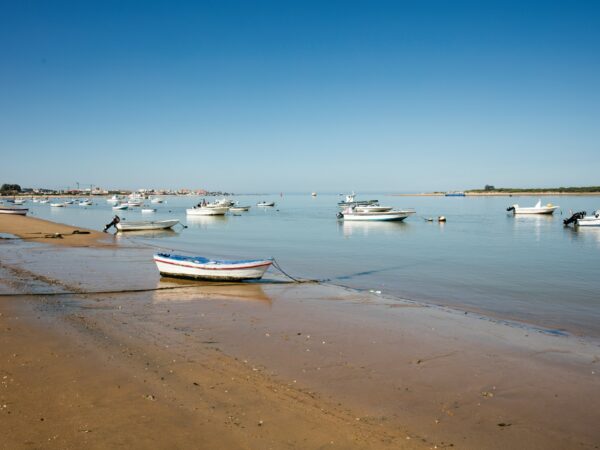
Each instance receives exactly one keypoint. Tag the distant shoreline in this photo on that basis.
(502, 194)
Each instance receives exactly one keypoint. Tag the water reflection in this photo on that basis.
(205, 221)
(532, 222)
(350, 228)
(150, 234)
(209, 290)
(585, 234)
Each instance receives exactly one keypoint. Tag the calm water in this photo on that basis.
(529, 269)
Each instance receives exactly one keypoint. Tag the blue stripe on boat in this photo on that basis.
(203, 260)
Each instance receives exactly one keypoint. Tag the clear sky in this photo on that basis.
(273, 96)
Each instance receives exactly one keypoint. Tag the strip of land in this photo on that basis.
(267, 365)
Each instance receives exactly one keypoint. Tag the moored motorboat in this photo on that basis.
(537, 209)
(58, 205)
(581, 219)
(201, 268)
(148, 210)
(113, 199)
(394, 214)
(122, 206)
(156, 200)
(44, 200)
(85, 203)
(13, 210)
(146, 225)
(454, 194)
(205, 211)
(19, 201)
(239, 208)
(263, 203)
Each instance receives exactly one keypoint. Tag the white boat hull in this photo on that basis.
(532, 210)
(14, 211)
(589, 221)
(144, 226)
(218, 272)
(206, 211)
(372, 208)
(120, 207)
(388, 216)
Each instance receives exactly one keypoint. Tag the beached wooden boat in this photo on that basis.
(13, 210)
(146, 225)
(201, 268)
(204, 211)
(537, 209)
(394, 214)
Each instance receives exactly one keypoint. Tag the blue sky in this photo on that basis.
(300, 96)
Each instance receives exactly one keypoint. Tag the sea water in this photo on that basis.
(530, 269)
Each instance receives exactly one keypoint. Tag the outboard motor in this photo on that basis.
(339, 215)
(510, 208)
(574, 218)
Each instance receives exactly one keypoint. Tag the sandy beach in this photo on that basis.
(99, 351)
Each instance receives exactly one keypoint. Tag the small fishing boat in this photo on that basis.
(205, 211)
(135, 203)
(265, 203)
(122, 206)
(201, 268)
(394, 214)
(148, 210)
(351, 201)
(156, 200)
(69, 202)
(454, 194)
(44, 200)
(314, 194)
(239, 208)
(146, 225)
(113, 199)
(13, 210)
(18, 201)
(537, 209)
(58, 205)
(581, 219)
(85, 203)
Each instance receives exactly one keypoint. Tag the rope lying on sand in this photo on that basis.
(45, 235)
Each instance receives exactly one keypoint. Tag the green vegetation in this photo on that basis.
(583, 189)
(10, 189)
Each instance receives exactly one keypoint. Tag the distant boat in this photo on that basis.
(85, 203)
(113, 199)
(13, 210)
(314, 194)
(239, 208)
(201, 268)
(206, 211)
(69, 202)
(156, 200)
(44, 200)
(58, 205)
(122, 206)
(397, 215)
(454, 194)
(149, 225)
(581, 219)
(537, 209)
(265, 203)
(18, 201)
(148, 210)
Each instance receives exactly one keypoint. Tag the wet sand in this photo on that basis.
(268, 365)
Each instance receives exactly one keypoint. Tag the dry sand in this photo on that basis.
(268, 365)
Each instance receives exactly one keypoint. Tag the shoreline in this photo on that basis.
(314, 363)
(504, 194)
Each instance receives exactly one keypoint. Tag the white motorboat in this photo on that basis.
(146, 225)
(13, 210)
(314, 194)
(18, 201)
(85, 203)
(69, 202)
(156, 200)
(265, 204)
(581, 219)
(537, 209)
(372, 208)
(201, 268)
(113, 199)
(58, 205)
(148, 210)
(135, 203)
(394, 214)
(44, 200)
(205, 211)
(120, 207)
